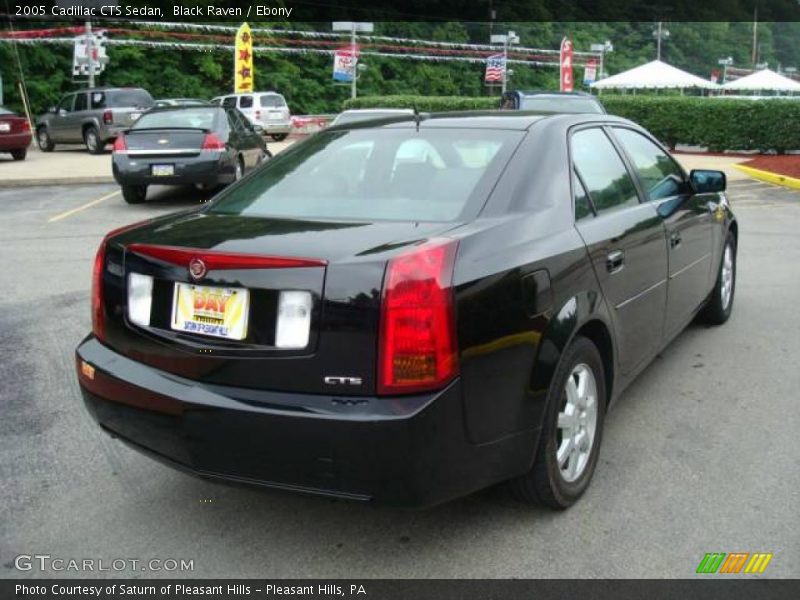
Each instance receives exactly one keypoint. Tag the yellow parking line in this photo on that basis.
(64, 215)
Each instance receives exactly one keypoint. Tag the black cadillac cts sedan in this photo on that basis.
(409, 310)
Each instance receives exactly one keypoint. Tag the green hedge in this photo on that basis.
(425, 103)
(715, 123)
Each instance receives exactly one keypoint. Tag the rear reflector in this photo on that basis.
(417, 345)
(140, 298)
(222, 260)
(294, 320)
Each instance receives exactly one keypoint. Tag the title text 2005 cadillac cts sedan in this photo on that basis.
(409, 310)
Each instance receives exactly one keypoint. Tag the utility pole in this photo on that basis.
(755, 37)
(660, 34)
(90, 52)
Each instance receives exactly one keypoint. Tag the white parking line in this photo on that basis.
(68, 213)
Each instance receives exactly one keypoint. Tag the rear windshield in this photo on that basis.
(560, 105)
(373, 174)
(132, 97)
(5, 111)
(272, 100)
(202, 118)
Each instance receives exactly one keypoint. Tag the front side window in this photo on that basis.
(607, 180)
(661, 176)
(376, 174)
(66, 103)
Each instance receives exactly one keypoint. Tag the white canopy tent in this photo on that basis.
(654, 75)
(763, 80)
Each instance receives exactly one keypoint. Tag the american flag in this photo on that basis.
(495, 67)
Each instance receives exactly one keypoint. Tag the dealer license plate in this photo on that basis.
(214, 311)
(5, 127)
(162, 170)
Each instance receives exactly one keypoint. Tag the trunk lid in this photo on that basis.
(343, 279)
(172, 142)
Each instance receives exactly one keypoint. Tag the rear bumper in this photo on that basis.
(409, 451)
(14, 141)
(271, 127)
(205, 169)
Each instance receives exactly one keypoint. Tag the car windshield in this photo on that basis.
(196, 118)
(132, 97)
(373, 174)
(357, 117)
(560, 104)
(272, 100)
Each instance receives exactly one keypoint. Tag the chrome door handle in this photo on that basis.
(615, 261)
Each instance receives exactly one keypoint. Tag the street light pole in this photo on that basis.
(506, 40)
(353, 27)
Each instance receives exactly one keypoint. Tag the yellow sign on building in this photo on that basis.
(244, 73)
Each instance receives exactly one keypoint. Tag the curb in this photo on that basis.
(770, 177)
(14, 183)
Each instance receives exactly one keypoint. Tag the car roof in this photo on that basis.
(520, 120)
(574, 93)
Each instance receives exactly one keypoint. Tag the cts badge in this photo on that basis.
(331, 380)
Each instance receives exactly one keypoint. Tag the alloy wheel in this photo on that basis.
(577, 423)
(726, 288)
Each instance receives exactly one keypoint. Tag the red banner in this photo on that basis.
(565, 60)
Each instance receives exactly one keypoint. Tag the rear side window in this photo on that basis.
(607, 180)
(272, 100)
(660, 175)
(80, 102)
(583, 207)
(376, 174)
(245, 102)
(129, 98)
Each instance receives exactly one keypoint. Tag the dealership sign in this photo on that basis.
(565, 60)
(590, 71)
(244, 72)
(344, 63)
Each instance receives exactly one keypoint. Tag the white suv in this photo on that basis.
(267, 109)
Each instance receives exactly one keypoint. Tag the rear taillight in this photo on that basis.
(120, 145)
(98, 310)
(26, 126)
(258, 115)
(212, 142)
(417, 345)
(108, 117)
(98, 305)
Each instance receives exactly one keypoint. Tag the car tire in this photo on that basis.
(134, 194)
(19, 154)
(573, 420)
(720, 303)
(91, 139)
(43, 140)
(279, 137)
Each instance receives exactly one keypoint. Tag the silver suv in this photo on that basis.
(93, 116)
(265, 109)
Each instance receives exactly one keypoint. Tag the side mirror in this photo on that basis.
(706, 181)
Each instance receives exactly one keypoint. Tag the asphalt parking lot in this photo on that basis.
(699, 455)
